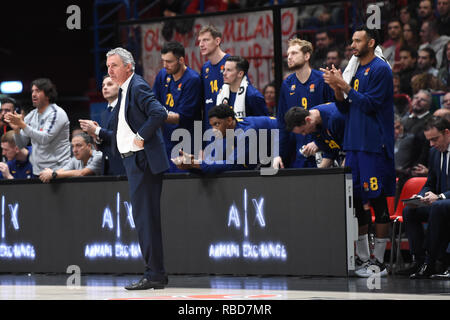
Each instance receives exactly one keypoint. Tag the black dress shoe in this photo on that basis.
(424, 272)
(442, 276)
(145, 284)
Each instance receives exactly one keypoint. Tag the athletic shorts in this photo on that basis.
(373, 174)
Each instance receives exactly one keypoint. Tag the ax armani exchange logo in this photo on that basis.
(10, 224)
(264, 250)
(115, 249)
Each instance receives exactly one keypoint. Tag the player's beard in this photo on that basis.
(363, 52)
(176, 69)
(297, 66)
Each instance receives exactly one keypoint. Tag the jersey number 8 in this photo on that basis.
(356, 85)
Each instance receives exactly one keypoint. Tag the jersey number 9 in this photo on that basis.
(305, 103)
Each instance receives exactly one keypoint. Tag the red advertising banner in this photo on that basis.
(246, 34)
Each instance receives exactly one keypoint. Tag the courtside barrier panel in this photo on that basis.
(297, 222)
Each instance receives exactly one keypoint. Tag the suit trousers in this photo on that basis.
(434, 242)
(145, 193)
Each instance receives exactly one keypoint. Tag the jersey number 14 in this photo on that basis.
(214, 87)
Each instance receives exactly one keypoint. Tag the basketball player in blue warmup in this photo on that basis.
(238, 93)
(178, 88)
(305, 88)
(222, 118)
(326, 125)
(368, 141)
(209, 39)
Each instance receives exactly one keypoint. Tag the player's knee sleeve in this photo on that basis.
(362, 215)
(380, 207)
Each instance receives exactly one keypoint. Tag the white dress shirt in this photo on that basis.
(125, 136)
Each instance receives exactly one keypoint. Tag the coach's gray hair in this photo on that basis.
(124, 54)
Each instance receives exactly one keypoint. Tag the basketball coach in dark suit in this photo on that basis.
(137, 122)
(430, 247)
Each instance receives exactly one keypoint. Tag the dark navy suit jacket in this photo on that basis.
(433, 183)
(145, 116)
(113, 164)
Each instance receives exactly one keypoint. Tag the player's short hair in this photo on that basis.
(241, 63)
(305, 46)
(440, 123)
(221, 111)
(48, 87)
(370, 33)
(175, 47)
(9, 137)
(211, 29)
(295, 117)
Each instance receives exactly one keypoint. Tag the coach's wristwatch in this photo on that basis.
(441, 197)
(54, 174)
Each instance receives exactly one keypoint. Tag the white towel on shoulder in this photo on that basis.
(353, 65)
(239, 102)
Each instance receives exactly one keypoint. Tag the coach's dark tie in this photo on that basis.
(119, 98)
(444, 172)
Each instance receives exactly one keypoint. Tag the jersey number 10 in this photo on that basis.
(169, 100)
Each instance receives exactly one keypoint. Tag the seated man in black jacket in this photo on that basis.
(430, 247)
